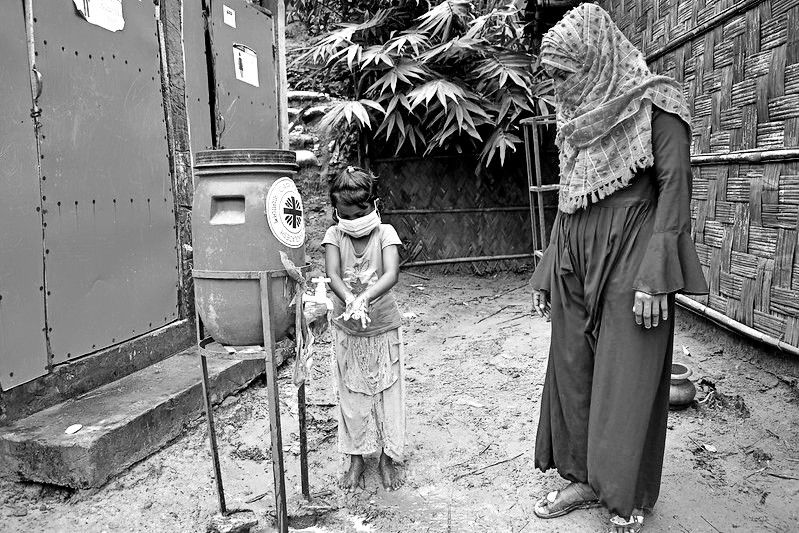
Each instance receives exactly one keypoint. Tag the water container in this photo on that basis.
(246, 210)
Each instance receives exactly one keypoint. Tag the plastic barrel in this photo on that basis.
(246, 210)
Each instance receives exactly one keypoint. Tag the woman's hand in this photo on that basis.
(650, 309)
(541, 303)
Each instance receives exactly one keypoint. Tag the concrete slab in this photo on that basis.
(123, 422)
(127, 420)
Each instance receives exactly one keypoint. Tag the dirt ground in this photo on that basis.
(475, 369)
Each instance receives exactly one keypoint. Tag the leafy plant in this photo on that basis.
(452, 76)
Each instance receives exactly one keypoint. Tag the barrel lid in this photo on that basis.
(244, 157)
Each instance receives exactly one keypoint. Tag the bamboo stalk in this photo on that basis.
(455, 210)
(414, 158)
(529, 168)
(539, 119)
(727, 322)
(468, 259)
(751, 156)
(545, 188)
(538, 183)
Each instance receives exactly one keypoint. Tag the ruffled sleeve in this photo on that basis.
(670, 263)
(542, 277)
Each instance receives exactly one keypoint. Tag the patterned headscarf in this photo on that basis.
(604, 93)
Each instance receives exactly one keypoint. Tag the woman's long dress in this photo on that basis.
(606, 395)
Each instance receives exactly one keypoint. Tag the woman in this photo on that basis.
(620, 249)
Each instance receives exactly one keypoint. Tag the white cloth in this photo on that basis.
(604, 94)
(371, 417)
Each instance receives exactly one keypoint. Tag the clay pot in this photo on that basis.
(682, 390)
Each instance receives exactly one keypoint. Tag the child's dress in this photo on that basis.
(368, 363)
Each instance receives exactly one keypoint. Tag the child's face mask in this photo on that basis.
(361, 226)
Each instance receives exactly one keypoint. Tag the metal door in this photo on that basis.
(23, 347)
(242, 40)
(110, 240)
(198, 101)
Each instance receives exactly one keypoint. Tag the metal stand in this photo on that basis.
(209, 417)
(265, 279)
(306, 489)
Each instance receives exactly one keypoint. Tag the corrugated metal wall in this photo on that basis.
(242, 71)
(88, 211)
(105, 236)
(23, 348)
(110, 244)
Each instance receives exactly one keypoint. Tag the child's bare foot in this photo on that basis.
(390, 473)
(349, 481)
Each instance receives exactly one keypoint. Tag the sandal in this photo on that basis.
(542, 506)
(634, 524)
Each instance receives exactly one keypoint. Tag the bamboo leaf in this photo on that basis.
(406, 71)
(372, 104)
(376, 55)
(440, 88)
(438, 21)
(353, 53)
(412, 39)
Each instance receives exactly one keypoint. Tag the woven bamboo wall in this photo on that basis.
(444, 184)
(741, 79)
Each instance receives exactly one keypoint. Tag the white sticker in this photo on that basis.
(229, 16)
(104, 13)
(285, 213)
(245, 62)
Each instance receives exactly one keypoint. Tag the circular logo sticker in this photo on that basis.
(284, 213)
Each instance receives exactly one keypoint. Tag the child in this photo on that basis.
(362, 262)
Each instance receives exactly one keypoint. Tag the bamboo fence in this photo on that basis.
(739, 66)
(448, 217)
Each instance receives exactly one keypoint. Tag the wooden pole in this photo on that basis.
(274, 406)
(539, 196)
(528, 159)
(455, 211)
(467, 260)
(282, 79)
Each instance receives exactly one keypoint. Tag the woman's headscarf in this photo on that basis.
(604, 105)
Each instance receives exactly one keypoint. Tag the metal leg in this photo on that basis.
(306, 489)
(274, 408)
(209, 416)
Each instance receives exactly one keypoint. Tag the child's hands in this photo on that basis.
(357, 310)
(360, 309)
